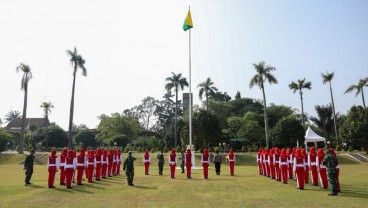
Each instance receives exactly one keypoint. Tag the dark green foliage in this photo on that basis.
(86, 137)
(56, 137)
(5, 138)
(287, 132)
(324, 120)
(277, 112)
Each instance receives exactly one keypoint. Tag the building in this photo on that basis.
(16, 124)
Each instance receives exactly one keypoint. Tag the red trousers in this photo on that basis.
(268, 170)
(284, 173)
(86, 170)
(109, 169)
(232, 164)
(104, 169)
(300, 177)
(306, 174)
(314, 175)
(90, 169)
(80, 170)
(323, 178)
(62, 175)
(172, 171)
(146, 167)
(118, 168)
(290, 171)
(189, 170)
(205, 170)
(264, 171)
(277, 172)
(98, 171)
(52, 173)
(114, 168)
(69, 176)
(272, 169)
(260, 170)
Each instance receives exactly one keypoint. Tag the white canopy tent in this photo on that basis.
(311, 136)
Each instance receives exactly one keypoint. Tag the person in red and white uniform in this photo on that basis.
(284, 165)
(265, 162)
(271, 163)
(146, 162)
(205, 161)
(188, 163)
(114, 162)
(306, 169)
(52, 166)
(321, 169)
(299, 169)
(81, 165)
(110, 159)
(337, 170)
(259, 155)
(98, 162)
(63, 155)
(276, 160)
(118, 164)
(231, 158)
(90, 165)
(70, 166)
(172, 163)
(104, 164)
(289, 155)
(312, 158)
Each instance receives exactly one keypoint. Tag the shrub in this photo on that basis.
(178, 149)
(215, 149)
(139, 149)
(363, 149)
(166, 149)
(244, 149)
(350, 149)
(152, 150)
(127, 149)
(338, 148)
(250, 149)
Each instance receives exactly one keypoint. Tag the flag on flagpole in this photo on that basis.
(188, 22)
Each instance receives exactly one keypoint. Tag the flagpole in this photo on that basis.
(190, 92)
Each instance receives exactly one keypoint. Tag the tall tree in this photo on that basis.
(328, 78)
(237, 95)
(176, 82)
(27, 75)
(77, 63)
(302, 84)
(208, 89)
(11, 115)
(263, 74)
(324, 119)
(46, 106)
(359, 88)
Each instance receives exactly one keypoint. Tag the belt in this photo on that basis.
(205, 162)
(62, 164)
(52, 165)
(313, 163)
(104, 162)
(172, 163)
(91, 163)
(231, 160)
(98, 162)
(298, 165)
(283, 163)
(80, 164)
(265, 161)
(276, 162)
(146, 161)
(69, 166)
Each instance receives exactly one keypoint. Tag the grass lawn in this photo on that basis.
(245, 189)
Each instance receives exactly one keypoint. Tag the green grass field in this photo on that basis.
(245, 189)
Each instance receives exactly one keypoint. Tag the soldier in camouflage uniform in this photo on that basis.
(182, 164)
(161, 162)
(28, 167)
(330, 162)
(128, 167)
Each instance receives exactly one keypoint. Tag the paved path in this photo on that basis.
(358, 157)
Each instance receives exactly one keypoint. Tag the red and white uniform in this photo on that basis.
(104, 164)
(110, 159)
(283, 164)
(114, 162)
(231, 158)
(312, 158)
(276, 160)
(70, 166)
(62, 166)
(259, 156)
(146, 162)
(306, 169)
(81, 165)
(188, 163)
(266, 164)
(290, 157)
(321, 169)
(118, 164)
(264, 170)
(271, 163)
(90, 165)
(299, 169)
(98, 162)
(52, 166)
(205, 161)
(172, 163)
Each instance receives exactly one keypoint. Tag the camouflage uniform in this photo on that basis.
(182, 161)
(28, 167)
(161, 162)
(128, 167)
(330, 162)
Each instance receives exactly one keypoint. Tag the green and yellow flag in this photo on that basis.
(188, 22)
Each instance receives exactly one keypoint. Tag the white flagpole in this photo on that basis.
(190, 93)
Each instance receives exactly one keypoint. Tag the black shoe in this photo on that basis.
(51, 186)
(333, 194)
(28, 183)
(25, 184)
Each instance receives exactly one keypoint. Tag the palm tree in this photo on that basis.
(11, 115)
(324, 119)
(177, 82)
(77, 62)
(27, 75)
(327, 78)
(46, 106)
(208, 89)
(359, 88)
(263, 74)
(300, 86)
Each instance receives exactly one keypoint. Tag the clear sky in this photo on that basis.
(130, 47)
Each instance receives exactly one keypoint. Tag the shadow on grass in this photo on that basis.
(35, 186)
(74, 190)
(350, 191)
(144, 187)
